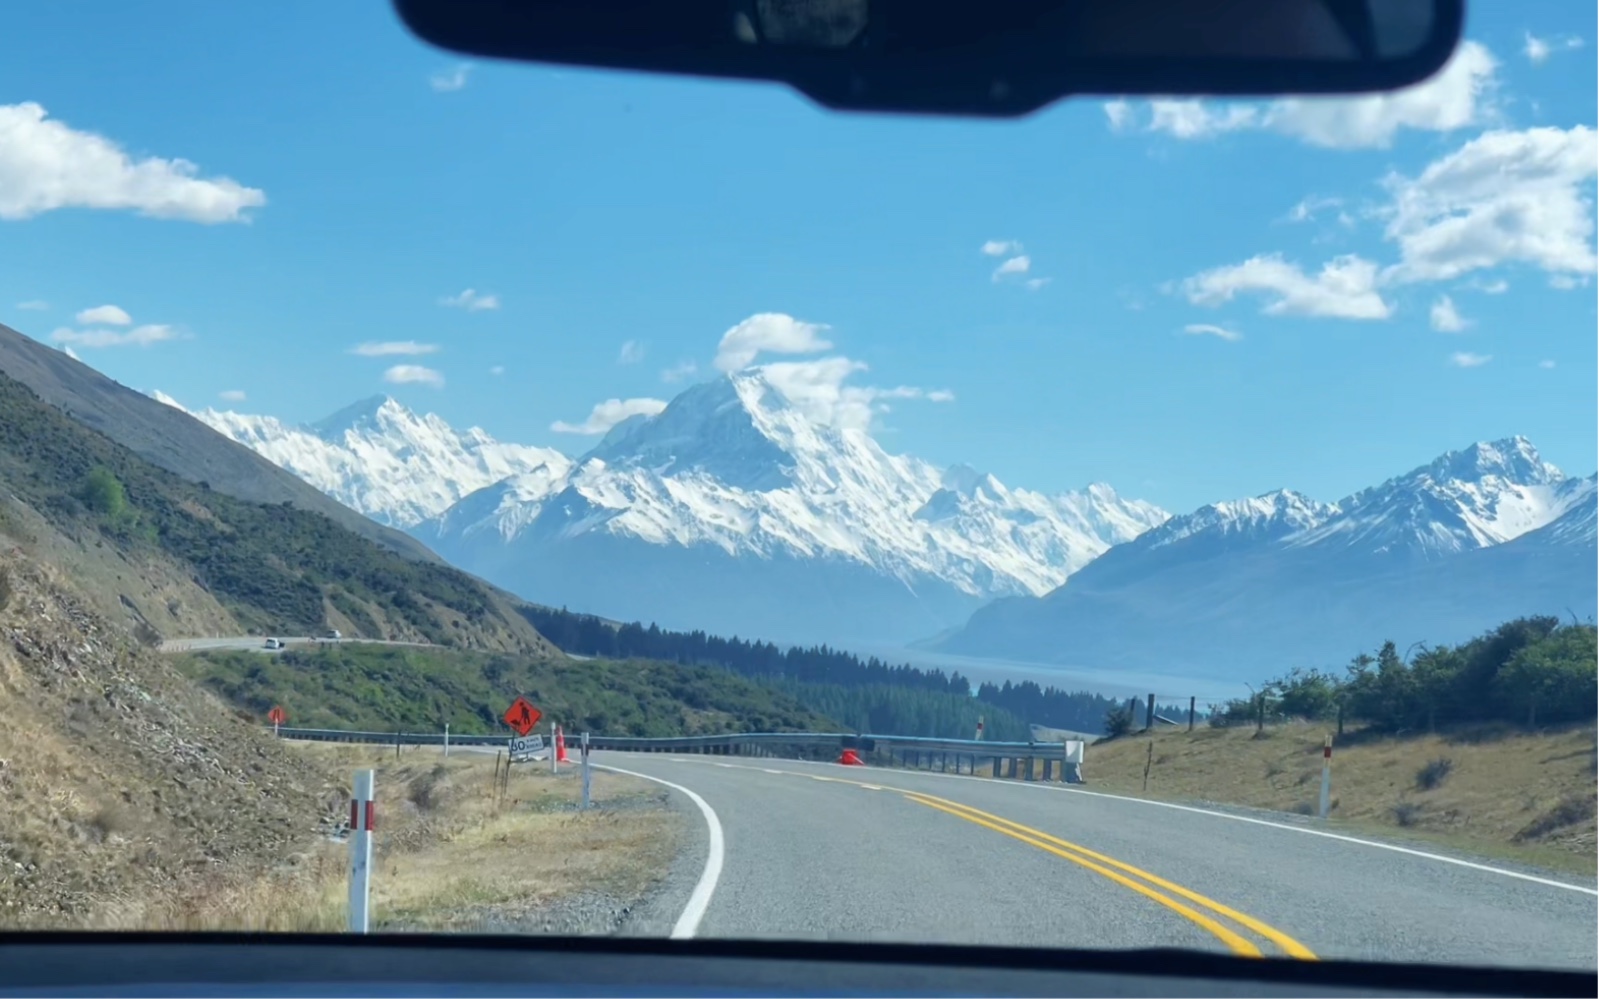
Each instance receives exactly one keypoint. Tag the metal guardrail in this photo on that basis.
(1008, 759)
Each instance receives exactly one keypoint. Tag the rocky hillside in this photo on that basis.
(181, 558)
(130, 797)
(172, 440)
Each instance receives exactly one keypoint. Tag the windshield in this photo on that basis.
(565, 502)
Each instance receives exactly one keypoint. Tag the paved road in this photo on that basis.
(257, 643)
(820, 851)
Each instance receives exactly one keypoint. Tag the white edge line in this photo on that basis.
(688, 923)
(1441, 858)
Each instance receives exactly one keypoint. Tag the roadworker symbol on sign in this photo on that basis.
(522, 716)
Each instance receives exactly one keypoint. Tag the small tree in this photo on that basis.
(103, 493)
(1118, 721)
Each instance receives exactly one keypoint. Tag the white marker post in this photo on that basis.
(1326, 774)
(588, 775)
(362, 813)
(446, 740)
(555, 756)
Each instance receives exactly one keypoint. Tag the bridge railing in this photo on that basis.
(1023, 760)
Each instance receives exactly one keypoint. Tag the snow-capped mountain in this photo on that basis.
(1474, 498)
(381, 459)
(1248, 588)
(733, 510)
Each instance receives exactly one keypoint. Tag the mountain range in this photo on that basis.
(734, 512)
(730, 511)
(1254, 587)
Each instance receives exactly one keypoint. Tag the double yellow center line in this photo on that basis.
(1214, 918)
(1128, 876)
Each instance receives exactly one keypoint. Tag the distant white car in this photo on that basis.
(273, 643)
(333, 633)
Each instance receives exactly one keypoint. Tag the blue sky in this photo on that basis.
(1218, 300)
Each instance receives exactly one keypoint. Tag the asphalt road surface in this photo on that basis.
(819, 851)
(257, 643)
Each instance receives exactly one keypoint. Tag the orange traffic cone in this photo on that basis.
(560, 746)
(850, 758)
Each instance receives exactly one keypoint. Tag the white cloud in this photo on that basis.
(1445, 318)
(1567, 282)
(1013, 266)
(497, 370)
(1502, 197)
(1345, 288)
(817, 388)
(1458, 96)
(104, 315)
(632, 353)
(1033, 284)
(46, 165)
(1538, 50)
(1207, 329)
(471, 301)
(1546, 365)
(1001, 247)
(413, 374)
(1118, 114)
(34, 305)
(1190, 119)
(770, 332)
(680, 371)
(71, 353)
(139, 336)
(232, 395)
(1495, 286)
(1466, 359)
(608, 414)
(393, 348)
(447, 81)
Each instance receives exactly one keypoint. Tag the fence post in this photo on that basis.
(446, 740)
(362, 814)
(555, 763)
(1191, 702)
(1326, 774)
(587, 774)
(1149, 714)
(1260, 712)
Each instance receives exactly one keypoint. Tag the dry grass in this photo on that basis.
(453, 852)
(1523, 796)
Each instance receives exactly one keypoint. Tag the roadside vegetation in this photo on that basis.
(465, 845)
(392, 689)
(1488, 745)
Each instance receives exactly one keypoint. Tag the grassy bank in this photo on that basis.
(452, 852)
(1493, 790)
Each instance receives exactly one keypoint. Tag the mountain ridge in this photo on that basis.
(1482, 534)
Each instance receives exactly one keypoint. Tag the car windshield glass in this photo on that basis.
(555, 501)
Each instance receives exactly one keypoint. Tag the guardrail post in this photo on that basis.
(362, 814)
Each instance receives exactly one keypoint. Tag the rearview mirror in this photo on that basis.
(971, 57)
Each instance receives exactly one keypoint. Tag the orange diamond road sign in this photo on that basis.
(277, 715)
(522, 716)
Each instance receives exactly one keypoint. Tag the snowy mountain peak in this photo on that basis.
(1512, 460)
(381, 459)
(366, 413)
(1276, 514)
(1476, 497)
(717, 429)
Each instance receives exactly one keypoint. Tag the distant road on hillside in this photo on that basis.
(258, 643)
